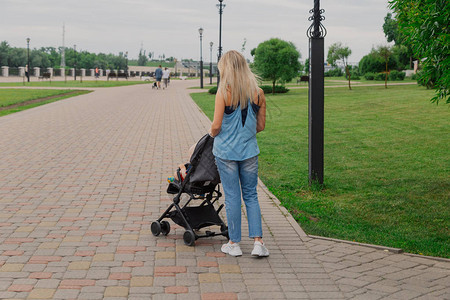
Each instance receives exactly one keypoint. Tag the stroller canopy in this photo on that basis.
(203, 162)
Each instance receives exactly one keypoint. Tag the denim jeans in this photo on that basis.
(237, 177)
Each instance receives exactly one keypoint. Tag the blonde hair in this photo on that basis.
(237, 79)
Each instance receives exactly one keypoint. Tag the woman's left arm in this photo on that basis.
(261, 115)
(219, 109)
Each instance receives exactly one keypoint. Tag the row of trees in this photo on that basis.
(278, 60)
(50, 57)
(144, 58)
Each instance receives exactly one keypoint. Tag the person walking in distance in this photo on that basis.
(158, 75)
(165, 77)
(239, 113)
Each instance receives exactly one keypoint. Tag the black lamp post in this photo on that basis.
(75, 64)
(200, 30)
(126, 63)
(28, 60)
(220, 6)
(316, 33)
(210, 62)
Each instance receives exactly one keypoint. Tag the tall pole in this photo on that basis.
(200, 30)
(126, 63)
(210, 62)
(28, 60)
(75, 64)
(221, 6)
(63, 49)
(316, 33)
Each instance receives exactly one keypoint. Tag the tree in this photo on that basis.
(338, 52)
(385, 53)
(276, 60)
(402, 56)
(46, 57)
(39, 59)
(142, 58)
(373, 62)
(17, 57)
(4, 53)
(306, 68)
(390, 29)
(402, 51)
(424, 25)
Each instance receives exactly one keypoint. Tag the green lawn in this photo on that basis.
(10, 97)
(334, 81)
(387, 166)
(75, 84)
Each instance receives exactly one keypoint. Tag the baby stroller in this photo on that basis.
(200, 183)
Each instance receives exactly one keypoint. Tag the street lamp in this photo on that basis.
(200, 30)
(210, 62)
(175, 61)
(75, 64)
(220, 6)
(28, 59)
(126, 62)
(316, 33)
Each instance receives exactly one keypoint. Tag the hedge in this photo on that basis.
(396, 75)
(369, 76)
(279, 89)
(334, 73)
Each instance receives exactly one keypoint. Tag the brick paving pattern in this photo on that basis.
(82, 179)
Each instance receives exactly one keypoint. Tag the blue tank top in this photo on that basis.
(237, 137)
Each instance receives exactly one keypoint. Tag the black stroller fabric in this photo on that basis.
(204, 162)
(203, 176)
(200, 183)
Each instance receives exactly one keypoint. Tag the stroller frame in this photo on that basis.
(192, 218)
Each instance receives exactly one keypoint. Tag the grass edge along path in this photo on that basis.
(386, 165)
(23, 101)
(74, 84)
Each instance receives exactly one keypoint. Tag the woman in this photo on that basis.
(240, 112)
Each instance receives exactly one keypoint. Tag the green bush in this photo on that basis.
(355, 77)
(369, 76)
(396, 75)
(372, 62)
(392, 75)
(380, 76)
(401, 76)
(334, 73)
(213, 90)
(279, 89)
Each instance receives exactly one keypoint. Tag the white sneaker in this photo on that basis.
(232, 249)
(260, 250)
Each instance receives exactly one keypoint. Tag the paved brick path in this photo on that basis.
(82, 179)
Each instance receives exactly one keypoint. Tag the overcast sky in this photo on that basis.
(170, 27)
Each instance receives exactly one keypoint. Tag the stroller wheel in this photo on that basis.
(156, 228)
(165, 227)
(189, 237)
